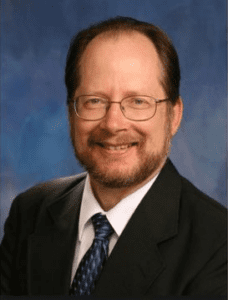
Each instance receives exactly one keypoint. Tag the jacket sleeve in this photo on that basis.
(7, 249)
(212, 279)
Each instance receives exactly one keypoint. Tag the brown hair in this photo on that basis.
(159, 38)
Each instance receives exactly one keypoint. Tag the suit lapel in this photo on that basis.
(136, 261)
(51, 247)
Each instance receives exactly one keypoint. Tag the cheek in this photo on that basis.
(79, 135)
(75, 131)
(155, 135)
(81, 131)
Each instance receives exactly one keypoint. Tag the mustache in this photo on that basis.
(113, 139)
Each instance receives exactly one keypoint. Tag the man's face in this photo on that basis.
(115, 68)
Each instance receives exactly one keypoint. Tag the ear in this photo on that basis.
(177, 113)
(70, 110)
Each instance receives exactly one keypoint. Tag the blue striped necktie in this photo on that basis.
(90, 267)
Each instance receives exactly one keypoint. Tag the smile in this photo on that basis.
(116, 147)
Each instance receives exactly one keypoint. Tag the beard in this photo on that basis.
(150, 163)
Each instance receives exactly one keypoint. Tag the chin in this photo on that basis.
(113, 174)
(118, 177)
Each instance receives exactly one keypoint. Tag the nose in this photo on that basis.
(114, 120)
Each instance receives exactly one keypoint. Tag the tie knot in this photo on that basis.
(103, 228)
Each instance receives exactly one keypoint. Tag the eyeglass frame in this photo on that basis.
(155, 100)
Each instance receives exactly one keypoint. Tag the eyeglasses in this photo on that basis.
(135, 108)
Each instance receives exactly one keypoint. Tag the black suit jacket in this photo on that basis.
(174, 244)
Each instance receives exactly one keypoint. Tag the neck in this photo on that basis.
(108, 197)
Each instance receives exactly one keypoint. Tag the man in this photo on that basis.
(131, 225)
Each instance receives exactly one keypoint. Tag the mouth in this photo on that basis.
(118, 147)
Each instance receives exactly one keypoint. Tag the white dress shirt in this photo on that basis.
(118, 217)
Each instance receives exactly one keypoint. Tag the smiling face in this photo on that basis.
(118, 152)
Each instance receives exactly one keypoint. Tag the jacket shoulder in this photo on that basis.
(204, 214)
(26, 206)
(198, 198)
(47, 191)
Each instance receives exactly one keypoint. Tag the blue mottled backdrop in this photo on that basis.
(35, 144)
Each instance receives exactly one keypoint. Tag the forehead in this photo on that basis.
(124, 44)
(127, 56)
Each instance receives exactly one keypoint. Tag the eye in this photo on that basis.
(92, 103)
(138, 103)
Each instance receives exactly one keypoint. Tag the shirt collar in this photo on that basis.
(89, 207)
(119, 215)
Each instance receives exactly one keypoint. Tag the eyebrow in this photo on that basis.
(127, 94)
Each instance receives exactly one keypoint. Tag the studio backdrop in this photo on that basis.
(35, 142)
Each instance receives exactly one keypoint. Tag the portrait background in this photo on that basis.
(35, 143)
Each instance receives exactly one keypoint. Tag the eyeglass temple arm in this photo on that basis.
(162, 100)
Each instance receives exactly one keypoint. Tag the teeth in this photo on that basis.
(118, 147)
